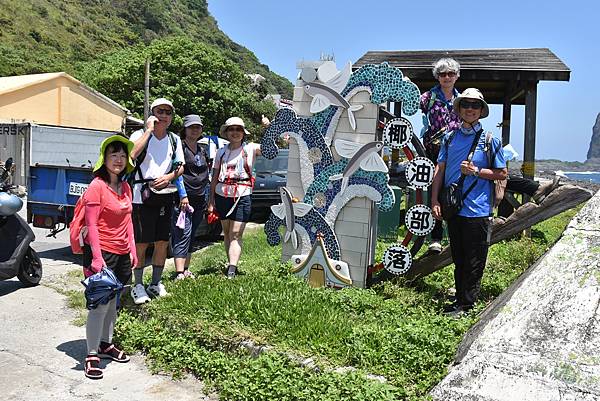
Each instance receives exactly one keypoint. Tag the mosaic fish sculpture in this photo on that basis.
(329, 185)
(328, 93)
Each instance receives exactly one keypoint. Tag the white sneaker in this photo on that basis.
(435, 246)
(139, 295)
(157, 290)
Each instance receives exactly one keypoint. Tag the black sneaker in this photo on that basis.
(451, 308)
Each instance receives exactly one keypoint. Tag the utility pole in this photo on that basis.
(146, 91)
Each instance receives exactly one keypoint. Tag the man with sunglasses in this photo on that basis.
(463, 154)
(160, 160)
(439, 118)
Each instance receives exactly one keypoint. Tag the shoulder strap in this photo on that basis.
(173, 144)
(469, 158)
(246, 165)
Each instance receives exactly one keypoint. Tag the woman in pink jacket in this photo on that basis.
(109, 243)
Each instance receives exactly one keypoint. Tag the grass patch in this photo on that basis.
(393, 330)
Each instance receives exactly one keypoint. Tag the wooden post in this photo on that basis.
(530, 120)
(506, 110)
(146, 92)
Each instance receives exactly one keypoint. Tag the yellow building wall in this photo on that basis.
(36, 103)
(79, 108)
(61, 102)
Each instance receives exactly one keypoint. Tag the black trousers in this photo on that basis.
(469, 246)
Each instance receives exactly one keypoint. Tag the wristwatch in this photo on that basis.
(476, 172)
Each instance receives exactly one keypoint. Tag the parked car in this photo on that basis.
(270, 176)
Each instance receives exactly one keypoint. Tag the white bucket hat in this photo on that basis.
(231, 121)
(474, 94)
(161, 101)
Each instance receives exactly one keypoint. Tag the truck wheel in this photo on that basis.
(30, 271)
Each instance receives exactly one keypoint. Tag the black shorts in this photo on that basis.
(151, 223)
(240, 213)
(119, 264)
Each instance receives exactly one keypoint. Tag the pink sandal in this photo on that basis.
(91, 368)
(112, 352)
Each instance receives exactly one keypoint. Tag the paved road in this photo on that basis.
(41, 352)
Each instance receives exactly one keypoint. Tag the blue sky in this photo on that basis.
(282, 32)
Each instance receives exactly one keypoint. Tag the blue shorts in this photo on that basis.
(182, 240)
(240, 213)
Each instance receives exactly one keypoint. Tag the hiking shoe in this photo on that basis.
(231, 270)
(544, 189)
(435, 247)
(180, 276)
(139, 294)
(456, 311)
(157, 290)
(188, 274)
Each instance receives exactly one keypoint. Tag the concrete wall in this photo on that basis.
(352, 226)
(540, 340)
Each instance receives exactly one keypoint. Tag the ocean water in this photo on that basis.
(588, 176)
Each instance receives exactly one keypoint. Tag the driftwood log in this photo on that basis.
(563, 198)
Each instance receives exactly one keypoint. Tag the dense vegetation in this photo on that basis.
(395, 330)
(196, 77)
(47, 36)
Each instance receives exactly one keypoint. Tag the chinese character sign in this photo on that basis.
(419, 220)
(397, 133)
(397, 259)
(419, 172)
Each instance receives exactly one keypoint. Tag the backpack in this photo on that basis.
(499, 185)
(77, 227)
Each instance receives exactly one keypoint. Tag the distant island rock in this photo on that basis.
(594, 150)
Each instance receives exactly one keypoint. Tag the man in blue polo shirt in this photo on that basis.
(469, 229)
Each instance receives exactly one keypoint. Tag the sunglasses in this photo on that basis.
(465, 104)
(234, 128)
(167, 112)
(447, 74)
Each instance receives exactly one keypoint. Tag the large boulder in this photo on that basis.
(541, 339)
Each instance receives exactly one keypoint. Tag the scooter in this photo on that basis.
(17, 258)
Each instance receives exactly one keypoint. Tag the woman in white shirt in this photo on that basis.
(231, 187)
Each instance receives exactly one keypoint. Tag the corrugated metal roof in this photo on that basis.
(17, 82)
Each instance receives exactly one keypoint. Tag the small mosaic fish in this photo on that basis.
(365, 157)
(288, 210)
(328, 93)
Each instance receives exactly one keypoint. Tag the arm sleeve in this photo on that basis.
(179, 157)
(180, 187)
(443, 155)
(130, 233)
(91, 221)
(136, 135)
(424, 101)
(499, 159)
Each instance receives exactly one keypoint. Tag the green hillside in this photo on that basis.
(42, 36)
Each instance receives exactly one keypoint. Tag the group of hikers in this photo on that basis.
(165, 202)
(167, 198)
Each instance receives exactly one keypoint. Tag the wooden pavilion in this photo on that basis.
(504, 76)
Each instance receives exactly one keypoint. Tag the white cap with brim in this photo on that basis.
(231, 122)
(161, 101)
(473, 94)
